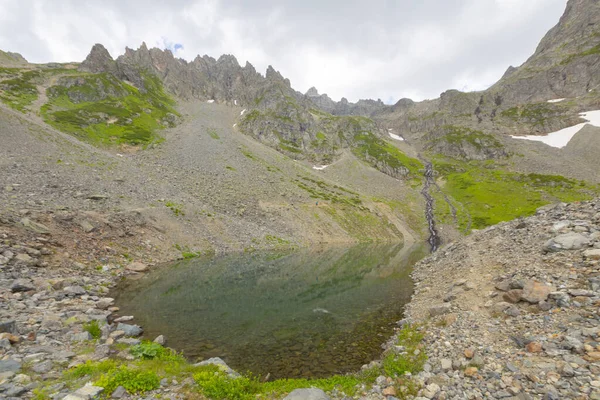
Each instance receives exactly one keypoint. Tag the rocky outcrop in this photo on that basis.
(9, 59)
(205, 78)
(565, 63)
(344, 107)
(99, 60)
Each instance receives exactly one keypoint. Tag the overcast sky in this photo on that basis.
(353, 49)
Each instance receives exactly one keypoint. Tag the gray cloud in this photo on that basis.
(358, 49)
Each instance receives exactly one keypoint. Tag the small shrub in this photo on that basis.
(91, 368)
(93, 327)
(215, 384)
(176, 208)
(154, 351)
(134, 381)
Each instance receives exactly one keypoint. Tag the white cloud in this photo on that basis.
(373, 49)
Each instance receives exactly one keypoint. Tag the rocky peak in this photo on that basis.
(99, 60)
(312, 92)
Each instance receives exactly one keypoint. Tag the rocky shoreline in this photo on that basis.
(508, 312)
(512, 311)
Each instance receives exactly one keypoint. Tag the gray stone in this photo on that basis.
(23, 258)
(74, 290)
(5, 344)
(89, 391)
(431, 390)
(102, 351)
(21, 285)
(545, 306)
(15, 391)
(81, 337)
(439, 310)
(307, 394)
(87, 226)
(9, 327)
(104, 303)
(592, 254)
(137, 267)
(130, 330)
(160, 339)
(34, 226)
(119, 393)
(567, 241)
(9, 366)
(560, 226)
(42, 368)
(446, 364)
(513, 311)
(581, 292)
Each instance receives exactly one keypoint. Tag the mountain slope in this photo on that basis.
(183, 113)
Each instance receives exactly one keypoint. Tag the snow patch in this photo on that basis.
(235, 102)
(555, 100)
(320, 167)
(210, 101)
(234, 125)
(561, 138)
(321, 310)
(394, 136)
(243, 111)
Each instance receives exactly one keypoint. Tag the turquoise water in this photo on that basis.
(309, 313)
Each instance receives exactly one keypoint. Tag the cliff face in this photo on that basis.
(566, 62)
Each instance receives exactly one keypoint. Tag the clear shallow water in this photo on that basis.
(309, 313)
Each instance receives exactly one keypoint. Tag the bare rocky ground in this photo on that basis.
(513, 311)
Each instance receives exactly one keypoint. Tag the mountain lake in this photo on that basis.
(304, 313)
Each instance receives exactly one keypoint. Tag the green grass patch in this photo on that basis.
(20, 90)
(104, 110)
(213, 133)
(320, 190)
(490, 195)
(459, 135)
(592, 51)
(536, 114)
(383, 155)
(273, 240)
(412, 359)
(133, 380)
(216, 384)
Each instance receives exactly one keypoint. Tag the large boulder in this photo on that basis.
(567, 241)
(534, 292)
